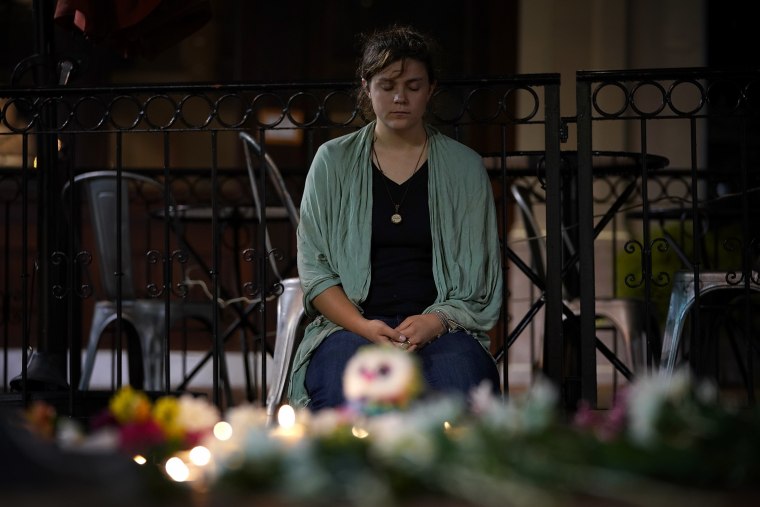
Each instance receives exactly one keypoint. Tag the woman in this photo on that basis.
(397, 242)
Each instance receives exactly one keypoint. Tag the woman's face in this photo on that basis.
(400, 93)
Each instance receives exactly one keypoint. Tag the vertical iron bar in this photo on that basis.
(72, 292)
(167, 268)
(6, 303)
(696, 237)
(747, 263)
(505, 264)
(49, 361)
(25, 303)
(586, 244)
(646, 266)
(553, 333)
(217, 345)
(263, 260)
(118, 268)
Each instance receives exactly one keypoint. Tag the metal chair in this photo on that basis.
(146, 316)
(682, 299)
(625, 315)
(717, 213)
(290, 309)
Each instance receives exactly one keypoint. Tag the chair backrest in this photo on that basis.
(101, 190)
(253, 152)
(536, 243)
(524, 198)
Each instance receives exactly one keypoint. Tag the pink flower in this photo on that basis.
(604, 424)
(141, 436)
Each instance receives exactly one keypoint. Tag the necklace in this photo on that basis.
(396, 216)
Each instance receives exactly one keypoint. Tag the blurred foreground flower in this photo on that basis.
(664, 438)
(156, 429)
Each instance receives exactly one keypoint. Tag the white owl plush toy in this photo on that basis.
(381, 378)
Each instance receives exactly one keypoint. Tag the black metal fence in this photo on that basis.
(692, 249)
(195, 241)
(644, 254)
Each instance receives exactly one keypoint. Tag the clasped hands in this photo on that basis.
(413, 333)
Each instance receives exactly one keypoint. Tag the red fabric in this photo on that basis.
(134, 27)
(97, 18)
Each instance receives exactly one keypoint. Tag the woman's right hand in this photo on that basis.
(381, 333)
(335, 305)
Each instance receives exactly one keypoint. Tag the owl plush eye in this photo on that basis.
(379, 378)
(384, 370)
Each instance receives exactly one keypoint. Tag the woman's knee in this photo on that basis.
(457, 361)
(324, 375)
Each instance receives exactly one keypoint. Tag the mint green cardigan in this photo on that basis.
(336, 226)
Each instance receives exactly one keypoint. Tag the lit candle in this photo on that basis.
(288, 430)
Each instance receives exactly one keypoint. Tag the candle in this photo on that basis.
(288, 430)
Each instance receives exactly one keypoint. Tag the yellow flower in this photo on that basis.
(129, 405)
(166, 414)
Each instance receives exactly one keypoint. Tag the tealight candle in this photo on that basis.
(288, 430)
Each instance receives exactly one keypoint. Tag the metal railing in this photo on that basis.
(186, 137)
(699, 212)
(677, 143)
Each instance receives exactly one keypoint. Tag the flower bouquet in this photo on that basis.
(149, 430)
(667, 441)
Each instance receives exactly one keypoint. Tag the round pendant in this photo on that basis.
(396, 218)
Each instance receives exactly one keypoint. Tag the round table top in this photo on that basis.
(226, 212)
(603, 162)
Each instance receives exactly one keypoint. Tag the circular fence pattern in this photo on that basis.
(678, 97)
(224, 108)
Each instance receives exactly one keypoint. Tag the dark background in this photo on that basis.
(302, 40)
(294, 40)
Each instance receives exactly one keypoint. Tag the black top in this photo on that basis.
(401, 254)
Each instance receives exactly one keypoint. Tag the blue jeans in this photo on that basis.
(455, 362)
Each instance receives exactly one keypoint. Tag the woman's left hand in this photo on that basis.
(419, 330)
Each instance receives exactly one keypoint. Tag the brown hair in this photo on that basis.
(390, 45)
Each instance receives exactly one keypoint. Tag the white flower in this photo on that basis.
(482, 398)
(196, 414)
(413, 453)
(326, 421)
(103, 440)
(252, 445)
(707, 393)
(530, 412)
(259, 445)
(431, 414)
(647, 396)
(245, 416)
(389, 426)
(242, 419)
(69, 434)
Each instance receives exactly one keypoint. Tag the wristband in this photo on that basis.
(444, 322)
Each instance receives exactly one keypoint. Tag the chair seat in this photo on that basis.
(627, 317)
(147, 317)
(682, 298)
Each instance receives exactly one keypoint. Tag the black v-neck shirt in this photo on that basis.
(401, 254)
